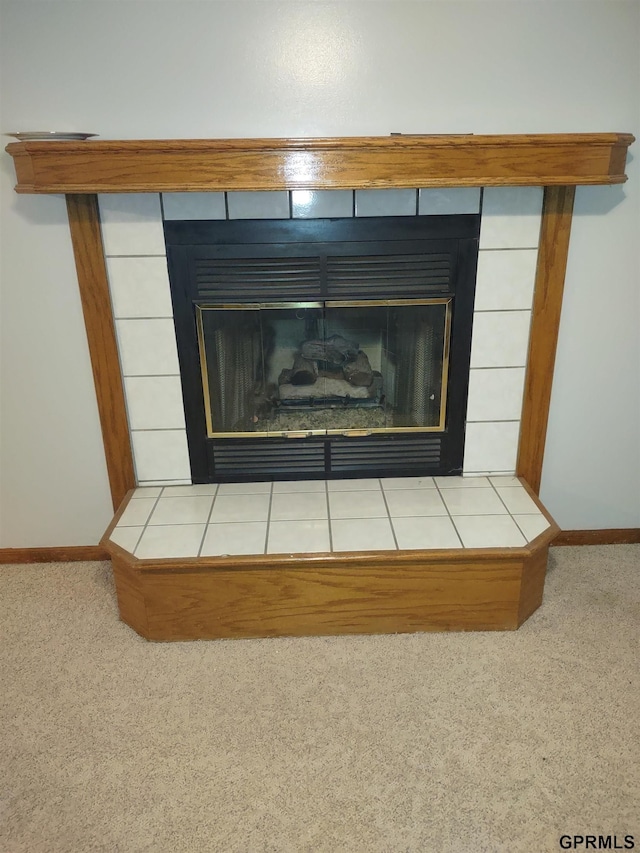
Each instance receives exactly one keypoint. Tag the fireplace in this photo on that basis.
(179, 592)
(324, 348)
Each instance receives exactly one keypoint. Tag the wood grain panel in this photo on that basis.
(131, 601)
(534, 571)
(60, 554)
(382, 598)
(609, 536)
(351, 163)
(84, 222)
(553, 249)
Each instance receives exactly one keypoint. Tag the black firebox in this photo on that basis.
(326, 348)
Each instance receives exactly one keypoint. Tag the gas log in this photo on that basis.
(358, 371)
(334, 358)
(334, 350)
(305, 371)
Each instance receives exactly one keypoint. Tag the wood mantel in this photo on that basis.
(182, 165)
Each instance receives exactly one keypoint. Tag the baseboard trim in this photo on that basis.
(611, 536)
(70, 554)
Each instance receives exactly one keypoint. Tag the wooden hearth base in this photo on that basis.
(380, 592)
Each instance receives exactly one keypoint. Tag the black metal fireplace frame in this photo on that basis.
(195, 250)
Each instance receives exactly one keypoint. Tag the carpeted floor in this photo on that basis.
(443, 743)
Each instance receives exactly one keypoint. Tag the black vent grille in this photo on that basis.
(237, 458)
(296, 279)
(257, 279)
(409, 454)
(389, 276)
(288, 458)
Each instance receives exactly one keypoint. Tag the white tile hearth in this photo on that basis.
(362, 504)
(473, 502)
(149, 492)
(239, 537)
(137, 512)
(127, 537)
(352, 485)
(462, 482)
(531, 525)
(174, 540)
(244, 489)
(302, 505)
(413, 502)
(443, 512)
(241, 508)
(390, 483)
(182, 510)
(287, 487)
(515, 500)
(435, 532)
(190, 491)
(296, 537)
(363, 534)
(493, 531)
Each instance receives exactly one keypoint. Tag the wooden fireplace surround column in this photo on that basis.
(81, 170)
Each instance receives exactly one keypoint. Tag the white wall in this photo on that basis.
(211, 69)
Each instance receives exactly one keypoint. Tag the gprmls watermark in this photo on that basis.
(597, 842)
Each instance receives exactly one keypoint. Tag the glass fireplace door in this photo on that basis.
(324, 368)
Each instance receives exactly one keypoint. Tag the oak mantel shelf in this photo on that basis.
(191, 165)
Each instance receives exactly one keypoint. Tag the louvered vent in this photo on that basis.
(236, 458)
(258, 279)
(408, 455)
(389, 276)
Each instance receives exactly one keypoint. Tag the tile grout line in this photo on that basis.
(208, 521)
(268, 531)
(393, 530)
(509, 513)
(146, 524)
(326, 494)
(451, 519)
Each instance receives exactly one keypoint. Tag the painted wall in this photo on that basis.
(211, 69)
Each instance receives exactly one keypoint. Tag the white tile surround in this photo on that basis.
(328, 516)
(136, 265)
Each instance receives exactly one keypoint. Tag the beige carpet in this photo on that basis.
(426, 742)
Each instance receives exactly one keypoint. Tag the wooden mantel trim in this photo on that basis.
(553, 250)
(183, 165)
(86, 238)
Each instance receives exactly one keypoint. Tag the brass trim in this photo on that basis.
(253, 306)
(382, 303)
(257, 306)
(204, 372)
(445, 366)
